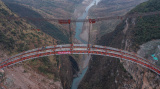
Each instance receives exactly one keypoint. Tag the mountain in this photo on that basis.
(131, 35)
(45, 26)
(17, 35)
(146, 28)
(56, 8)
(50, 9)
(109, 8)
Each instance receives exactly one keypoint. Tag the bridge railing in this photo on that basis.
(78, 49)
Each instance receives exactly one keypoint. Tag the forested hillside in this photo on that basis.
(147, 28)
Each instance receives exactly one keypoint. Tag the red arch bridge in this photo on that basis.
(79, 49)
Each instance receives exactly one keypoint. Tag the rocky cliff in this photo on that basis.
(109, 73)
(68, 68)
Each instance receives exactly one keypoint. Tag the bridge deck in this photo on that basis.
(78, 49)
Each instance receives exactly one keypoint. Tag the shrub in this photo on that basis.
(3, 11)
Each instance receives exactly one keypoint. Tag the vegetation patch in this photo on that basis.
(9, 42)
(4, 12)
(45, 67)
(148, 27)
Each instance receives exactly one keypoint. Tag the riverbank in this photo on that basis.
(81, 8)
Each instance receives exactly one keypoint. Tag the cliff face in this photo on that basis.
(68, 68)
(130, 34)
(142, 30)
(106, 72)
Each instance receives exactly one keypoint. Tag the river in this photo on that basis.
(79, 26)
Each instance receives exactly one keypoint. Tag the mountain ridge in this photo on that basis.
(101, 69)
(17, 36)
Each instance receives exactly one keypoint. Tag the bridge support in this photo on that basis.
(89, 33)
(67, 22)
(70, 31)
